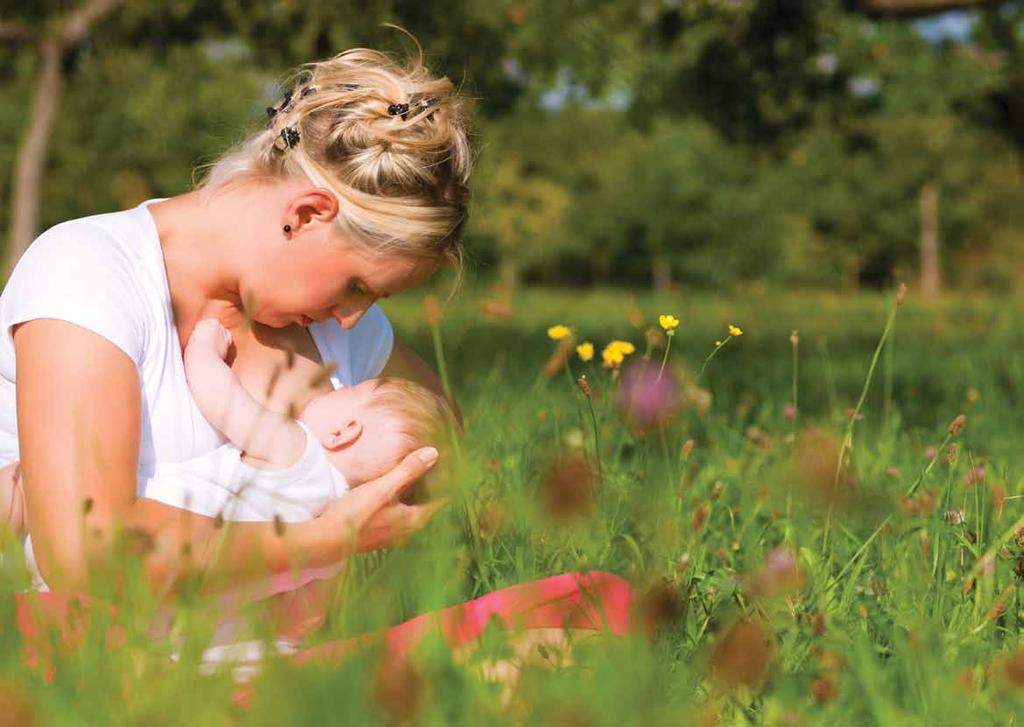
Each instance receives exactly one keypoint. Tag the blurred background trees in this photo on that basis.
(706, 143)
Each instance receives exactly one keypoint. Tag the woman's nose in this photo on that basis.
(350, 318)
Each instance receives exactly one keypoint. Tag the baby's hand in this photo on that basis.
(210, 335)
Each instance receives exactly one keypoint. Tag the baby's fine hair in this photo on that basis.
(423, 416)
(388, 138)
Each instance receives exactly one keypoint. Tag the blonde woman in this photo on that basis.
(355, 191)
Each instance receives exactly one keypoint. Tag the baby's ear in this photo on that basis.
(345, 435)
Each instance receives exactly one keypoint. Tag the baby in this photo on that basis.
(275, 468)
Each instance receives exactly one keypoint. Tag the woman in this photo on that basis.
(356, 190)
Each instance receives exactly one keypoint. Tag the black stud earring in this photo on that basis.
(287, 228)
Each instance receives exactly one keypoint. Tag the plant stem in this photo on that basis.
(847, 443)
(712, 355)
(664, 359)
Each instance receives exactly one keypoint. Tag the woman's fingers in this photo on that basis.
(358, 506)
(392, 524)
(415, 465)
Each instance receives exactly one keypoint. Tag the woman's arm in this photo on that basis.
(79, 413)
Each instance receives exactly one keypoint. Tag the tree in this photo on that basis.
(61, 36)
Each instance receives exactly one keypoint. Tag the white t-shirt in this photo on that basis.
(106, 273)
(220, 483)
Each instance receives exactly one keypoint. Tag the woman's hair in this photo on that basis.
(389, 139)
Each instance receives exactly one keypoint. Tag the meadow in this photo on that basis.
(819, 530)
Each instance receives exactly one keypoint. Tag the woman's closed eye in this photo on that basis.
(358, 287)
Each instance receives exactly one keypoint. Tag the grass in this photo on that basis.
(908, 614)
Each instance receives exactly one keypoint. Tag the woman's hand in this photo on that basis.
(371, 517)
(392, 525)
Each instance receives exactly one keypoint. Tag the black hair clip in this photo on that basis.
(399, 109)
(288, 138)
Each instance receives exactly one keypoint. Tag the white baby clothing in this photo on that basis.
(220, 483)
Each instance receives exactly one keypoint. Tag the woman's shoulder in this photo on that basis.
(118, 238)
(95, 272)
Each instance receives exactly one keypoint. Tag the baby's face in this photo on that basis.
(363, 440)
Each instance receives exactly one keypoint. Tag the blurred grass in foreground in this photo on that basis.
(910, 615)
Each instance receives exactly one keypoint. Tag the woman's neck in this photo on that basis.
(197, 254)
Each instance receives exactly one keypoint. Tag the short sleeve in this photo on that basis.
(77, 272)
(359, 353)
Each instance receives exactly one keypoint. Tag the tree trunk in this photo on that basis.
(851, 273)
(31, 163)
(661, 273)
(509, 273)
(931, 273)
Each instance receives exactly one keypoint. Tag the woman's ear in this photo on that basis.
(343, 436)
(312, 204)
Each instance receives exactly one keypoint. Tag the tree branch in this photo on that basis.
(15, 31)
(77, 23)
(920, 8)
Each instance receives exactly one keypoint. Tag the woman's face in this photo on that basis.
(316, 276)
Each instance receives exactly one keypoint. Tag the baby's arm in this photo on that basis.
(258, 431)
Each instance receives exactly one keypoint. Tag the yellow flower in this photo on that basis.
(585, 351)
(615, 352)
(735, 330)
(669, 323)
(557, 333)
(612, 357)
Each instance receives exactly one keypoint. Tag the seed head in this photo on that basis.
(1013, 668)
(901, 293)
(568, 488)
(824, 689)
(742, 655)
(661, 605)
(957, 425)
(584, 386)
(794, 339)
(432, 310)
(700, 516)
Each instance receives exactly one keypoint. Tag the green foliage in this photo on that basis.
(886, 616)
(707, 143)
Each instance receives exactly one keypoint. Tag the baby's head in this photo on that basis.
(368, 428)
